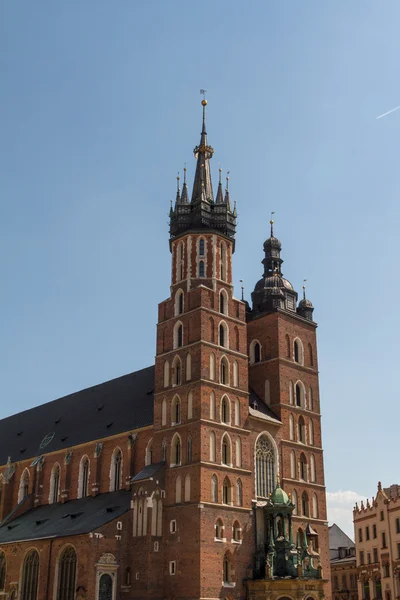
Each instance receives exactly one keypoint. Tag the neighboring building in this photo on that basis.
(163, 483)
(342, 553)
(377, 534)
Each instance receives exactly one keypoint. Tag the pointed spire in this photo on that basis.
(185, 193)
(220, 196)
(178, 191)
(304, 289)
(227, 199)
(202, 186)
(272, 224)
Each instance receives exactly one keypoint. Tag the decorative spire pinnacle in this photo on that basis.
(242, 286)
(202, 186)
(178, 190)
(227, 199)
(185, 194)
(220, 196)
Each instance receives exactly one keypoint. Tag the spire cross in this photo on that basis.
(241, 281)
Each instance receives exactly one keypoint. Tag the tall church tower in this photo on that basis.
(235, 404)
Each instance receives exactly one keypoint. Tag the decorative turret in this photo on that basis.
(273, 291)
(305, 308)
(202, 213)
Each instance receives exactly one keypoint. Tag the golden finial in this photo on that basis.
(204, 101)
(184, 174)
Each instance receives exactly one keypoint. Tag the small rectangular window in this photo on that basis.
(384, 540)
(398, 525)
(369, 558)
(381, 515)
(375, 551)
(398, 551)
(360, 537)
(374, 531)
(386, 570)
(172, 567)
(172, 526)
(361, 558)
(367, 533)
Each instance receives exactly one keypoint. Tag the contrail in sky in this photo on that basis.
(387, 113)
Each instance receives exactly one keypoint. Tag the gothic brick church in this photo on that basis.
(199, 477)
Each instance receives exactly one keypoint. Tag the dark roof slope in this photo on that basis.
(75, 517)
(122, 404)
(338, 538)
(148, 472)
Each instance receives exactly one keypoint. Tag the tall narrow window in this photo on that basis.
(222, 335)
(214, 489)
(292, 465)
(223, 261)
(305, 505)
(83, 483)
(238, 452)
(201, 268)
(212, 447)
(23, 486)
(223, 302)
(226, 491)
(298, 353)
(298, 394)
(164, 412)
(55, 483)
(2, 570)
(227, 569)
(302, 431)
(310, 355)
(66, 575)
(188, 367)
(237, 412)
(303, 468)
(117, 468)
(201, 247)
(212, 406)
(235, 374)
(224, 371)
(149, 453)
(189, 449)
(176, 411)
(176, 371)
(239, 493)
(226, 451)
(291, 427)
(164, 449)
(310, 399)
(179, 303)
(312, 468)
(310, 433)
(30, 574)
(315, 506)
(294, 501)
(180, 336)
(187, 488)
(225, 416)
(105, 587)
(257, 352)
(190, 406)
(265, 466)
(212, 367)
(178, 489)
(166, 374)
(176, 451)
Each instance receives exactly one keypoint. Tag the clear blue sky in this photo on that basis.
(100, 108)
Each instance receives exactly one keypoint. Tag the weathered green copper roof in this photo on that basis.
(279, 496)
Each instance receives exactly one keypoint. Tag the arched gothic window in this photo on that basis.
(235, 374)
(54, 483)
(315, 506)
(223, 261)
(149, 453)
(265, 466)
(179, 303)
(105, 587)
(292, 465)
(201, 247)
(224, 371)
(188, 367)
(299, 390)
(302, 430)
(187, 487)
(222, 302)
(176, 451)
(226, 450)
(189, 448)
(237, 412)
(236, 530)
(176, 371)
(287, 340)
(238, 452)
(66, 574)
(223, 335)
(179, 336)
(312, 468)
(2, 570)
(212, 367)
(176, 411)
(23, 486)
(294, 501)
(201, 269)
(212, 406)
(166, 374)
(127, 578)
(214, 489)
(311, 432)
(257, 352)
(164, 449)
(83, 481)
(226, 492)
(225, 410)
(239, 493)
(116, 470)
(219, 529)
(164, 412)
(30, 572)
(305, 505)
(310, 355)
(303, 468)
(291, 427)
(178, 490)
(212, 447)
(310, 399)
(227, 569)
(190, 405)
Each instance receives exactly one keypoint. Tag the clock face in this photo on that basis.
(46, 440)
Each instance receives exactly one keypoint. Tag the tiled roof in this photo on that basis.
(147, 472)
(119, 405)
(75, 517)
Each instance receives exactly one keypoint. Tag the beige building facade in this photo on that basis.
(377, 537)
